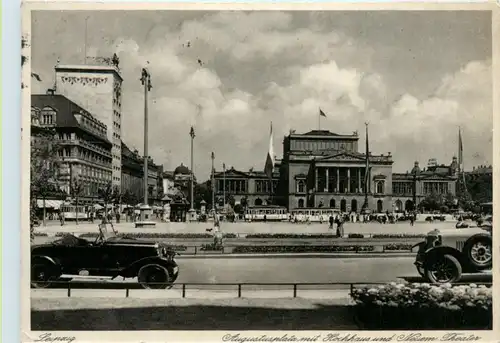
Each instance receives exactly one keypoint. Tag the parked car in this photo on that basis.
(446, 254)
(108, 256)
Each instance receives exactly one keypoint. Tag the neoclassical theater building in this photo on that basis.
(325, 169)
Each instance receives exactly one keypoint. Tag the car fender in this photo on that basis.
(47, 259)
(133, 269)
(431, 255)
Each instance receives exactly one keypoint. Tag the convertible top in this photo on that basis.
(71, 241)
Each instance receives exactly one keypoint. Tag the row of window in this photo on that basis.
(95, 172)
(322, 145)
(46, 116)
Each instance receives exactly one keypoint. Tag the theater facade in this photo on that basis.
(325, 169)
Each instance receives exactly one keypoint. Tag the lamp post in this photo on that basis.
(192, 135)
(146, 82)
(212, 156)
(415, 172)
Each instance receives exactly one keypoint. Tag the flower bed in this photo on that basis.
(268, 249)
(401, 235)
(177, 247)
(398, 247)
(211, 247)
(288, 235)
(155, 235)
(40, 234)
(356, 235)
(422, 306)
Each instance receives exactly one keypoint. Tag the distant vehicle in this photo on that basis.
(320, 214)
(268, 213)
(71, 212)
(446, 254)
(108, 256)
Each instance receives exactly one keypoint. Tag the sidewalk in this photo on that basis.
(70, 314)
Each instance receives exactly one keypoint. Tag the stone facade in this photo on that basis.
(97, 88)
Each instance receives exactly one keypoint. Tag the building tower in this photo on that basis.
(97, 88)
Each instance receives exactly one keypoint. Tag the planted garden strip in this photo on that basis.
(423, 306)
(248, 236)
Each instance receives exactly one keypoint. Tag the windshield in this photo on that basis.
(107, 231)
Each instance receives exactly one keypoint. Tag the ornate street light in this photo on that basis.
(191, 133)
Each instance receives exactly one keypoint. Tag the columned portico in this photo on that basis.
(338, 179)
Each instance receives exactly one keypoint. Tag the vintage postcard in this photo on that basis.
(259, 172)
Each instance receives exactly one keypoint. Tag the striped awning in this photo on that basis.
(55, 204)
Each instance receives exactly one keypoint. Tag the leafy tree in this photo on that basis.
(203, 191)
(127, 197)
(117, 195)
(77, 188)
(106, 194)
(432, 202)
(44, 165)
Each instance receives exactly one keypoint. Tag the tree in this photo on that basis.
(117, 195)
(432, 202)
(77, 187)
(127, 197)
(106, 194)
(203, 191)
(44, 165)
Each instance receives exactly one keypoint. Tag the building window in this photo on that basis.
(48, 116)
(379, 187)
(301, 186)
(301, 203)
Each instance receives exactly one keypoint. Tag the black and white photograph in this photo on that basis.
(322, 171)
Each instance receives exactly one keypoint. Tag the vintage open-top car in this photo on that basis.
(108, 256)
(445, 255)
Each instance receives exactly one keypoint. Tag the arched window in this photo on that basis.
(380, 187)
(48, 116)
(354, 205)
(301, 186)
(332, 203)
(343, 205)
(258, 202)
(399, 206)
(301, 203)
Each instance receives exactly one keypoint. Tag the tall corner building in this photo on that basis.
(98, 89)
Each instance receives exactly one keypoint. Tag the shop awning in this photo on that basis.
(55, 204)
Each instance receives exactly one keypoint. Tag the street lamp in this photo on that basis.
(191, 133)
(416, 173)
(146, 82)
(212, 156)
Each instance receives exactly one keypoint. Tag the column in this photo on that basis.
(327, 180)
(359, 179)
(316, 179)
(348, 180)
(338, 179)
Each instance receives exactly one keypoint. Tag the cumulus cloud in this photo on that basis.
(231, 73)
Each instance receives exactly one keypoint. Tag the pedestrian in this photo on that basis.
(340, 227)
(61, 218)
(331, 220)
(91, 216)
(117, 217)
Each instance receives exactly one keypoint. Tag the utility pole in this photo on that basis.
(213, 182)
(191, 133)
(146, 82)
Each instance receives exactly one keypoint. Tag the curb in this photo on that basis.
(305, 255)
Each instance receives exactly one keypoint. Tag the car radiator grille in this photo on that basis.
(460, 245)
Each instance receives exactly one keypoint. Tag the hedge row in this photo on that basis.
(398, 247)
(423, 306)
(248, 249)
(156, 235)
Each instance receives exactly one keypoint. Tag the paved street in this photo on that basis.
(262, 270)
(247, 228)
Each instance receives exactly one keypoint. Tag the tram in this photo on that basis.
(71, 211)
(271, 213)
(319, 214)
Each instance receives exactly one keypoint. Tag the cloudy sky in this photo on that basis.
(414, 76)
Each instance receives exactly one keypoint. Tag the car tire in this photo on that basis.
(153, 276)
(42, 274)
(479, 252)
(444, 269)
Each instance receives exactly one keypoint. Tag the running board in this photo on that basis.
(81, 277)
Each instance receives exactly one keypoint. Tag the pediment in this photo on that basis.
(342, 156)
(232, 173)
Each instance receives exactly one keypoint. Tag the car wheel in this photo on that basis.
(445, 269)
(154, 276)
(479, 252)
(41, 275)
